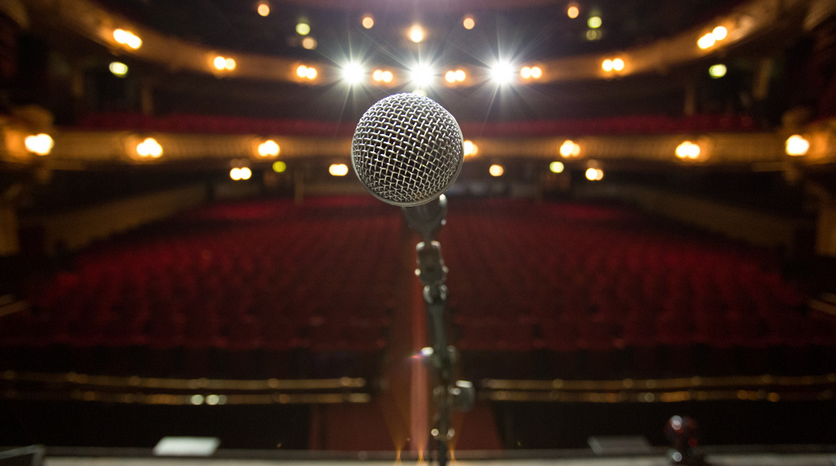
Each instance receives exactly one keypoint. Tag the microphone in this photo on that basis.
(407, 150)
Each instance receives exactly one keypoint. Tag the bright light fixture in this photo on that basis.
(502, 72)
(416, 33)
(118, 69)
(556, 167)
(309, 43)
(594, 22)
(303, 29)
(717, 71)
(469, 22)
(279, 166)
(797, 145)
(720, 33)
(688, 150)
(618, 64)
(353, 73)
(573, 11)
(496, 170)
(40, 144)
(268, 148)
(570, 149)
(422, 75)
(706, 41)
(607, 65)
(594, 174)
(263, 9)
(368, 21)
(149, 148)
(469, 148)
(338, 169)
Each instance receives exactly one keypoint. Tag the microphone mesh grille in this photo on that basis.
(407, 149)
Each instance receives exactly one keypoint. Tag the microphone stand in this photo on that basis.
(427, 220)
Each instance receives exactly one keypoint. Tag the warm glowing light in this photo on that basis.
(118, 69)
(460, 75)
(688, 150)
(263, 9)
(212, 400)
(422, 75)
(230, 64)
(388, 76)
(618, 64)
(279, 166)
(416, 34)
(40, 144)
(607, 65)
(420, 92)
(720, 33)
(573, 11)
(382, 76)
(594, 174)
(368, 22)
(570, 149)
(450, 76)
(594, 22)
(706, 41)
(496, 170)
(502, 72)
(536, 72)
(149, 148)
(592, 34)
(717, 71)
(302, 71)
(338, 169)
(268, 148)
(303, 29)
(353, 73)
(797, 145)
(311, 73)
(127, 38)
(556, 167)
(197, 399)
(235, 174)
(469, 22)
(246, 173)
(220, 63)
(525, 72)
(309, 43)
(469, 148)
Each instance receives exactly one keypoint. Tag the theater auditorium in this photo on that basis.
(622, 249)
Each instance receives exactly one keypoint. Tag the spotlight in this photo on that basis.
(353, 73)
(246, 173)
(40, 144)
(706, 41)
(688, 150)
(496, 170)
(618, 64)
(118, 69)
(594, 174)
(797, 145)
(594, 22)
(263, 9)
(717, 71)
(422, 75)
(556, 167)
(268, 148)
(502, 72)
(536, 72)
(573, 11)
(220, 63)
(309, 43)
(607, 65)
(302, 71)
(469, 22)
(303, 29)
(338, 169)
(149, 148)
(469, 148)
(720, 33)
(368, 21)
(416, 33)
(279, 166)
(570, 149)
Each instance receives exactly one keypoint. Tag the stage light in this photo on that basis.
(416, 33)
(720, 33)
(573, 11)
(220, 63)
(594, 22)
(353, 73)
(279, 166)
(717, 71)
(594, 174)
(607, 65)
(309, 43)
(496, 170)
(212, 400)
(127, 38)
(450, 76)
(592, 34)
(118, 69)
(688, 150)
(460, 75)
(469, 148)
(536, 72)
(469, 22)
(797, 145)
(618, 64)
(368, 22)
(556, 167)
(338, 169)
(39, 144)
(230, 64)
(388, 76)
(502, 72)
(303, 29)
(149, 148)
(268, 148)
(197, 399)
(246, 173)
(525, 72)
(420, 92)
(706, 41)
(302, 71)
(569, 149)
(235, 174)
(311, 73)
(263, 9)
(422, 75)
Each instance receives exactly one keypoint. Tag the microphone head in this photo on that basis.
(407, 150)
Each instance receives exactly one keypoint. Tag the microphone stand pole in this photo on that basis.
(427, 220)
